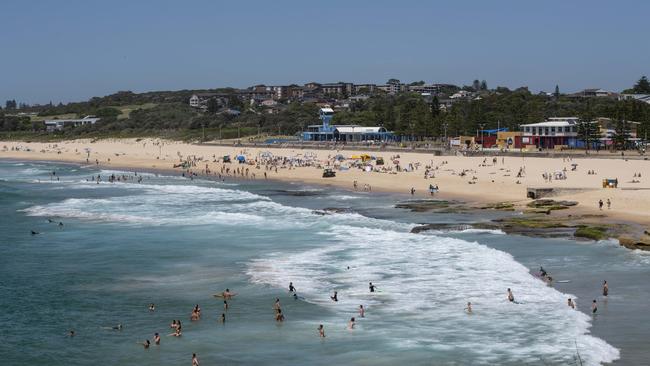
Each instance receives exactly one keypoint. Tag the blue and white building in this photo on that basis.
(343, 133)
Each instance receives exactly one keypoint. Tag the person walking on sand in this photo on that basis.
(605, 288)
(600, 204)
(609, 204)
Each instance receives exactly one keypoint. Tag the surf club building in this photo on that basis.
(556, 131)
(343, 133)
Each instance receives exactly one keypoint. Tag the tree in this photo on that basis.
(213, 105)
(476, 85)
(622, 134)
(642, 86)
(435, 106)
(393, 81)
(484, 85)
(557, 92)
(589, 133)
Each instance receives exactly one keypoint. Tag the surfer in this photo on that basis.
(469, 308)
(362, 311)
(321, 331)
(351, 324)
(291, 288)
(335, 297)
(156, 339)
(542, 272)
(605, 288)
(371, 287)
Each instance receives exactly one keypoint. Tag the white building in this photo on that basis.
(640, 97)
(59, 124)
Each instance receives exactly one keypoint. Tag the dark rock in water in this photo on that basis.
(296, 193)
(333, 210)
(544, 203)
(440, 227)
(429, 205)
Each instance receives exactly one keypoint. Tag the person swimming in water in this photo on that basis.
(71, 333)
(570, 303)
(335, 297)
(279, 317)
(291, 287)
(605, 288)
(594, 307)
(177, 332)
(362, 311)
(371, 287)
(511, 297)
(351, 324)
(156, 339)
(469, 308)
(152, 307)
(35, 232)
(195, 360)
(321, 331)
(225, 305)
(146, 344)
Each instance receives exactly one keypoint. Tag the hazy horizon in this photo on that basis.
(72, 51)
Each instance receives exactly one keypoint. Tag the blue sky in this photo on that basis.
(73, 50)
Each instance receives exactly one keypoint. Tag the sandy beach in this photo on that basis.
(486, 180)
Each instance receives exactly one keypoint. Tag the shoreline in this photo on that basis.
(490, 185)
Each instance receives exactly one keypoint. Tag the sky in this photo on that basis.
(73, 50)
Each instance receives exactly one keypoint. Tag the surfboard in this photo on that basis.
(563, 281)
(220, 295)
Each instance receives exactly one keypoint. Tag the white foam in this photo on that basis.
(425, 282)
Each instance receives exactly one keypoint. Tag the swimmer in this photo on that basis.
(60, 224)
(335, 297)
(71, 333)
(145, 344)
(223, 318)
(156, 339)
(225, 305)
(195, 361)
(321, 331)
(276, 305)
(295, 296)
(291, 288)
(173, 324)
(351, 324)
(605, 288)
(571, 304)
(511, 297)
(115, 327)
(469, 308)
(594, 307)
(279, 317)
(152, 307)
(362, 311)
(371, 287)
(177, 333)
(35, 232)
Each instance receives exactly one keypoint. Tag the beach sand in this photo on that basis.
(494, 183)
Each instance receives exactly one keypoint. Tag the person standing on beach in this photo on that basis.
(609, 204)
(605, 288)
(600, 204)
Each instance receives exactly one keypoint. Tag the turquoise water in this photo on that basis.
(174, 242)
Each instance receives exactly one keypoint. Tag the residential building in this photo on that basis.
(593, 93)
(553, 132)
(60, 124)
(364, 88)
(200, 100)
(607, 127)
(640, 97)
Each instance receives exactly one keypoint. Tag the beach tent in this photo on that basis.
(339, 157)
(241, 159)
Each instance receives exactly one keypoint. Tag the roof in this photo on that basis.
(359, 129)
(326, 110)
(551, 124)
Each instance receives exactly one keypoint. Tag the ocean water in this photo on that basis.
(175, 242)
